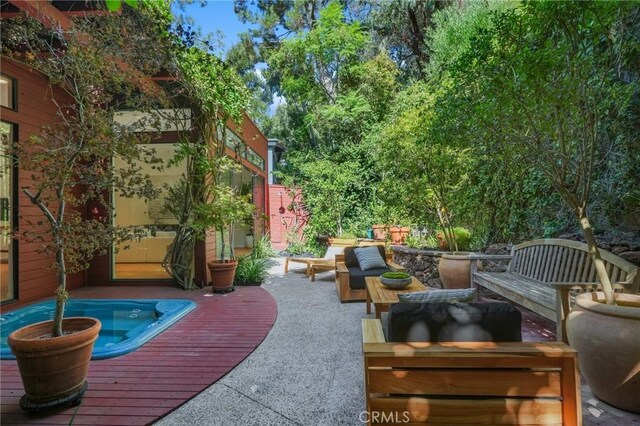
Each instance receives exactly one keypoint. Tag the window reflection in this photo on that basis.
(143, 259)
(6, 207)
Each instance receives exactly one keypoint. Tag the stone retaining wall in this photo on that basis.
(423, 264)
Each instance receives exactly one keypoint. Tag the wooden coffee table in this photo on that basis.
(383, 297)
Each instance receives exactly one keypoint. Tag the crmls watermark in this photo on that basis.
(384, 417)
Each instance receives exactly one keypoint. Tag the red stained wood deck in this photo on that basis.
(140, 387)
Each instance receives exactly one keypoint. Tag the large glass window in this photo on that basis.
(236, 144)
(7, 246)
(142, 259)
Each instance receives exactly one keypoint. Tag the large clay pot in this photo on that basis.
(54, 369)
(222, 275)
(455, 270)
(398, 234)
(607, 338)
(380, 232)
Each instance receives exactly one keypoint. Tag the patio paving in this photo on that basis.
(308, 371)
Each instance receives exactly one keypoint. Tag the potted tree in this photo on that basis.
(454, 266)
(216, 98)
(69, 175)
(225, 209)
(557, 95)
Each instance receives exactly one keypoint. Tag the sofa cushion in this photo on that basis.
(463, 295)
(454, 322)
(357, 275)
(350, 259)
(369, 258)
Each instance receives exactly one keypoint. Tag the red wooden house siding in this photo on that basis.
(34, 109)
(253, 137)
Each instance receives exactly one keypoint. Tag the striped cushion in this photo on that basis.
(369, 258)
(465, 295)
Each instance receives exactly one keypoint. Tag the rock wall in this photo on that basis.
(423, 264)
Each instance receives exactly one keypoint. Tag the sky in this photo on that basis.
(217, 16)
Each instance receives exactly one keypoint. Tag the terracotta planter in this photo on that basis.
(54, 369)
(222, 275)
(380, 232)
(398, 234)
(607, 339)
(455, 269)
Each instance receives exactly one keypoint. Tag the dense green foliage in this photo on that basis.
(492, 115)
(251, 271)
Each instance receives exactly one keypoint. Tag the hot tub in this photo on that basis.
(126, 324)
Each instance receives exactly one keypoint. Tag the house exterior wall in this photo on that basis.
(251, 135)
(35, 278)
(35, 108)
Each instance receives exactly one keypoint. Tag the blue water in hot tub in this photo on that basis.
(126, 324)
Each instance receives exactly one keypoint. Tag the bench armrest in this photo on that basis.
(372, 331)
(341, 268)
(396, 268)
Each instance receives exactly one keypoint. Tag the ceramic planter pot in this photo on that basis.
(607, 339)
(222, 275)
(379, 232)
(54, 368)
(455, 269)
(395, 283)
(398, 234)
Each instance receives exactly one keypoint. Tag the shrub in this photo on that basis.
(251, 271)
(262, 248)
(427, 241)
(462, 236)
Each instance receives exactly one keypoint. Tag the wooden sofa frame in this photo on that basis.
(541, 274)
(346, 293)
(475, 383)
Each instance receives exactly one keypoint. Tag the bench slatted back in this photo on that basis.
(556, 260)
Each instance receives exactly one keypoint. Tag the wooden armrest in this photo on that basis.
(395, 267)
(341, 267)
(489, 256)
(372, 331)
(340, 257)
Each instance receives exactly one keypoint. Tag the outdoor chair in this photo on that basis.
(316, 264)
(350, 278)
(426, 370)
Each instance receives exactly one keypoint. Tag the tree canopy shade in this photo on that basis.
(514, 105)
(547, 78)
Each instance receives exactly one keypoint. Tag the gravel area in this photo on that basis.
(308, 371)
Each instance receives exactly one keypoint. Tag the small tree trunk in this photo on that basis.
(61, 293)
(607, 288)
(222, 245)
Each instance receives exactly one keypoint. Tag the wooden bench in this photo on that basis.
(541, 274)
(533, 383)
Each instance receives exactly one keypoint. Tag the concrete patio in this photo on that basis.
(308, 371)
